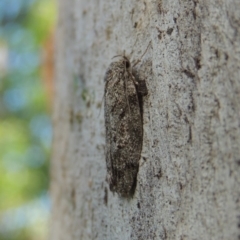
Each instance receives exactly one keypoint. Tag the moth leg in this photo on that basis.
(134, 81)
(136, 63)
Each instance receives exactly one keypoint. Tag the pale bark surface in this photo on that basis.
(189, 176)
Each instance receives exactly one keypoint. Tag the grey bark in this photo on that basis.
(189, 174)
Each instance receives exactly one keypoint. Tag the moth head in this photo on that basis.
(126, 62)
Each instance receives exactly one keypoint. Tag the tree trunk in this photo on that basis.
(189, 171)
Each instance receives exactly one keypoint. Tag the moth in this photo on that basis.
(124, 129)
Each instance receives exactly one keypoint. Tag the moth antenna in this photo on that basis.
(132, 47)
(139, 60)
(123, 56)
(117, 56)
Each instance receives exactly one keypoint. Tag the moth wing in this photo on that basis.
(123, 134)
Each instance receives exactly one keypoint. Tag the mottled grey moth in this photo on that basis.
(124, 130)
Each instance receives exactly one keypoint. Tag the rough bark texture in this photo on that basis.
(189, 173)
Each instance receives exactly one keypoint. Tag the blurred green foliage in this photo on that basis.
(25, 126)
